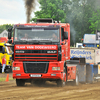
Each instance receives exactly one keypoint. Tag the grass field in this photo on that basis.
(4, 79)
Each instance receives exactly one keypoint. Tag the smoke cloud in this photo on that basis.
(30, 6)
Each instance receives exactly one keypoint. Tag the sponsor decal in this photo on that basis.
(52, 47)
(20, 47)
(78, 52)
(82, 53)
(19, 51)
(51, 51)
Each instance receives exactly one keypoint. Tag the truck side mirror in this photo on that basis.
(9, 41)
(3, 50)
(9, 35)
(65, 35)
(9, 32)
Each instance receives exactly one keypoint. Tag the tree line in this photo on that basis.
(5, 27)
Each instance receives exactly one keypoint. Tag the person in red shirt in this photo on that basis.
(3, 63)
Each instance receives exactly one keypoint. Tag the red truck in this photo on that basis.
(41, 55)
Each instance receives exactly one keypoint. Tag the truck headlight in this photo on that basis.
(55, 68)
(16, 68)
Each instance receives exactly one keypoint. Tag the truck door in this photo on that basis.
(64, 45)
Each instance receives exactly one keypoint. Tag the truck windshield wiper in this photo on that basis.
(23, 41)
(46, 41)
(36, 41)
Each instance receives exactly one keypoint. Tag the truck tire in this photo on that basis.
(76, 81)
(62, 83)
(8, 70)
(20, 82)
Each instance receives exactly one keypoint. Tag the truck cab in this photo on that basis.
(41, 50)
(89, 40)
(3, 51)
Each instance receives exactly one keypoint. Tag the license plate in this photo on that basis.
(35, 75)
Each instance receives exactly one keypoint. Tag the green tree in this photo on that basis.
(51, 9)
(4, 27)
(95, 21)
(80, 11)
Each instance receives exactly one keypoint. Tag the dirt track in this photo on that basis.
(9, 91)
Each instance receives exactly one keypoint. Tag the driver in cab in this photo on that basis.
(54, 37)
(25, 37)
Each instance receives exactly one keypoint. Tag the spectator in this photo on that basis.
(3, 63)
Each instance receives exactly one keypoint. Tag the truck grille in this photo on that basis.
(35, 67)
(36, 55)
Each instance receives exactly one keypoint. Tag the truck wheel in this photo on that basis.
(61, 83)
(76, 81)
(20, 82)
(8, 70)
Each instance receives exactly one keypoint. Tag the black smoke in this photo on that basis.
(30, 7)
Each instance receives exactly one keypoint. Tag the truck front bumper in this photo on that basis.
(51, 76)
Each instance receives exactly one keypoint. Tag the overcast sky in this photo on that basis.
(13, 12)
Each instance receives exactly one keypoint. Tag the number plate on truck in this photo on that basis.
(35, 75)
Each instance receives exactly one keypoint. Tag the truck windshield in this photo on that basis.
(36, 34)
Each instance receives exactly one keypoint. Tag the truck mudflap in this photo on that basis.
(71, 72)
(77, 64)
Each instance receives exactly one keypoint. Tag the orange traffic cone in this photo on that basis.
(7, 78)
